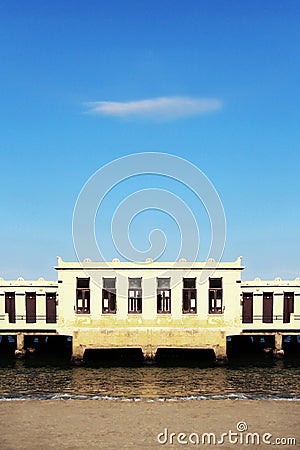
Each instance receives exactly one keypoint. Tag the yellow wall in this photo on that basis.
(201, 330)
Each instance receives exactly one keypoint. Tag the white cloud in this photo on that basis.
(157, 108)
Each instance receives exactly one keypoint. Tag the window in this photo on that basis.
(30, 300)
(189, 296)
(83, 296)
(163, 296)
(135, 295)
(109, 304)
(10, 306)
(215, 296)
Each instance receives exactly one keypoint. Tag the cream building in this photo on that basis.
(149, 305)
(28, 308)
(271, 307)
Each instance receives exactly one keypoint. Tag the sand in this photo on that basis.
(89, 424)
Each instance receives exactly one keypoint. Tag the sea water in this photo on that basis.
(55, 377)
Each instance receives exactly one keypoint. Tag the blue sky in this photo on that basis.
(82, 83)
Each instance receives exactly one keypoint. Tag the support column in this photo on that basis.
(221, 355)
(149, 353)
(77, 350)
(221, 350)
(20, 350)
(278, 352)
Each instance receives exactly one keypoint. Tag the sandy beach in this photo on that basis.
(76, 424)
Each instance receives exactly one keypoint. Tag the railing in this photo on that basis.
(24, 317)
(29, 319)
(269, 318)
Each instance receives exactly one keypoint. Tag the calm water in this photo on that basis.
(50, 378)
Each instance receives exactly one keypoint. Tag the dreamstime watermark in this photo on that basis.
(239, 436)
(104, 180)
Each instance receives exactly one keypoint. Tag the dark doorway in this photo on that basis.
(248, 307)
(268, 307)
(10, 306)
(288, 306)
(50, 308)
(30, 307)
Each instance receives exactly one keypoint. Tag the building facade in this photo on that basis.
(150, 305)
(28, 307)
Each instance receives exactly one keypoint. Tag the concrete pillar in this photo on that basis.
(77, 350)
(20, 350)
(220, 350)
(221, 355)
(77, 354)
(149, 352)
(278, 352)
